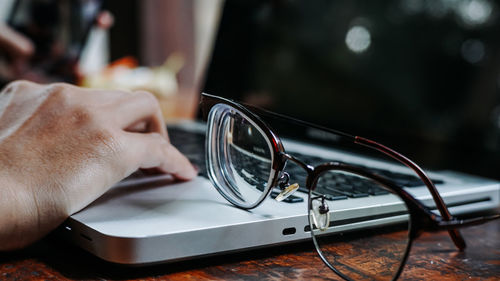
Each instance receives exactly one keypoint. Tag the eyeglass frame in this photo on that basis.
(422, 219)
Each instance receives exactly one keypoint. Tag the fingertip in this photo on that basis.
(187, 171)
(196, 168)
(155, 151)
(189, 174)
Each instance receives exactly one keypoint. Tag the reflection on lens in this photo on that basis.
(373, 254)
(240, 157)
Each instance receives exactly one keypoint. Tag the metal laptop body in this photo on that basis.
(154, 220)
(343, 69)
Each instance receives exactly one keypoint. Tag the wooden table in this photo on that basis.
(433, 257)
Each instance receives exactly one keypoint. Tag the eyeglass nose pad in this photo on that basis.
(321, 215)
(322, 221)
(286, 192)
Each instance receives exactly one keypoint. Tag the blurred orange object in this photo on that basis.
(126, 74)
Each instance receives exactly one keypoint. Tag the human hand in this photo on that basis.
(62, 146)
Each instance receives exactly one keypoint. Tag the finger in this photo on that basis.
(139, 107)
(132, 111)
(151, 150)
(15, 43)
(103, 97)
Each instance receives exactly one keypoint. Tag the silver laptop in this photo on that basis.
(419, 81)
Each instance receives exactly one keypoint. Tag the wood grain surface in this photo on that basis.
(433, 257)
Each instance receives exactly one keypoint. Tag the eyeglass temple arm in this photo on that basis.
(457, 223)
(208, 102)
(263, 112)
(443, 210)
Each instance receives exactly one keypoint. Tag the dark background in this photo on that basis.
(427, 85)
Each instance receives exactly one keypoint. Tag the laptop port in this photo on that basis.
(289, 231)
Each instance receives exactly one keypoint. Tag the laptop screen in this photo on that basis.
(420, 76)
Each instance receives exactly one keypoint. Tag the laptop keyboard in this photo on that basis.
(336, 186)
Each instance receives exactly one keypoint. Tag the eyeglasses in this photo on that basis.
(246, 160)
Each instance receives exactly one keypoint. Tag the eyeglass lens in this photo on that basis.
(241, 157)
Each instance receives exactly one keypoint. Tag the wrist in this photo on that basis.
(15, 207)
